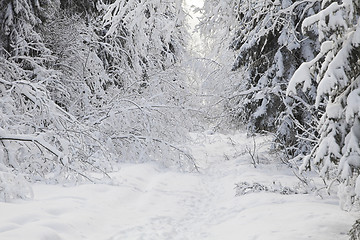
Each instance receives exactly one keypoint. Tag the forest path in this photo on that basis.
(149, 202)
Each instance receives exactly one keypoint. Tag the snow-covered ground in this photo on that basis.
(151, 202)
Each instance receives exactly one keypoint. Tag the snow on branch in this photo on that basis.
(306, 72)
(32, 138)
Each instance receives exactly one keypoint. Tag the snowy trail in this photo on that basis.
(150, 202)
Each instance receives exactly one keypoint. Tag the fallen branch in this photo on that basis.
(31, 138)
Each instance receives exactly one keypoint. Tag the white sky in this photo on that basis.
(197, 3)
(195, 44)
(188, 5)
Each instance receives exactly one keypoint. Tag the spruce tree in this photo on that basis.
(336, 71)
(269, 46)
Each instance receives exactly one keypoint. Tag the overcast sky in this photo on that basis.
(197, 3)
(195, 43)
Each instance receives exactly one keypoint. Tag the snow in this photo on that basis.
(303, 74)
(320, 17)
(335, 74)
(147, 201)
(353, 107)
(334, 110)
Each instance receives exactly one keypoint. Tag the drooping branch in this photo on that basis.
(182, 151)
(31, 138)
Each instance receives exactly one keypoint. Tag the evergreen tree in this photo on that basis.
(265, 35)
(336, 71)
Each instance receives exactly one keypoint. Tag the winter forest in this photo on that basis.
(179, 119)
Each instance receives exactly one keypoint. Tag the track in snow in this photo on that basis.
(150, 202)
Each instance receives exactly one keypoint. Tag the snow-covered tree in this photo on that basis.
(266, 37)
(39, 136)
(270, 48)
(84, 86)
(336, 71)
(143, 48)
(148, 35)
